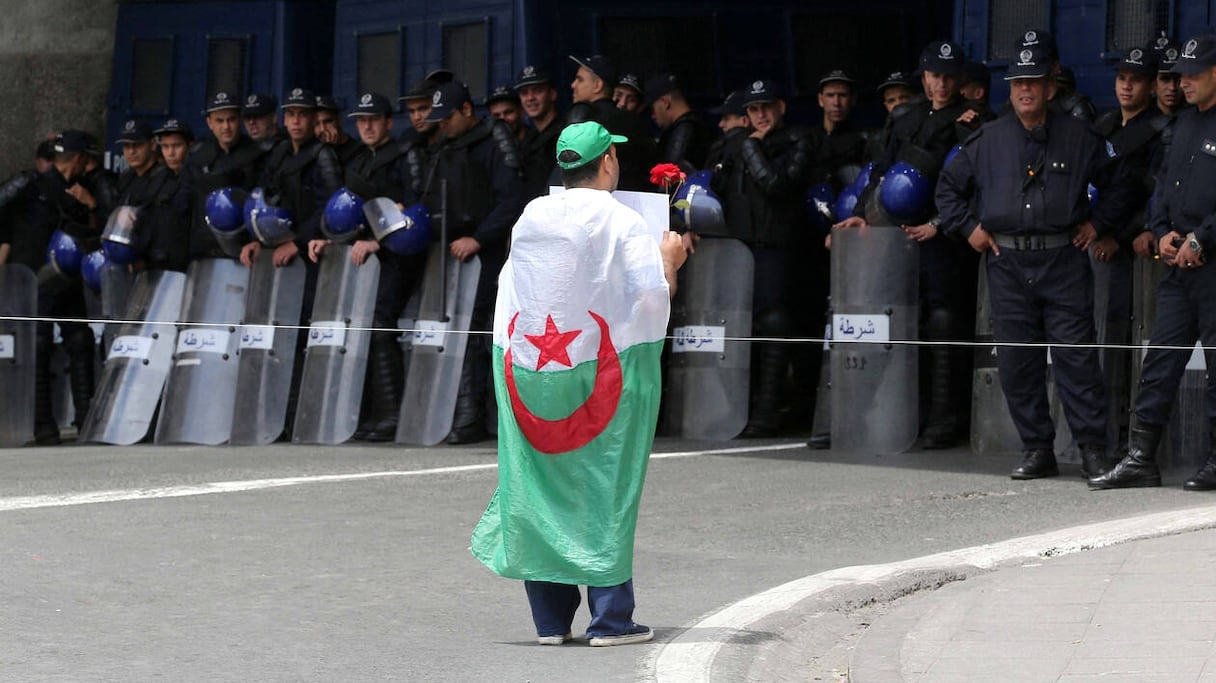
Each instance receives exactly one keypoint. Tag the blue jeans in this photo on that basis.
(554, 604)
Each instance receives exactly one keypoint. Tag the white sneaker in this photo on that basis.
(554, 640)
(640, 636)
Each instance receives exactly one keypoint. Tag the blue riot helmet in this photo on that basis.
(695, 207)
(64, 254)
(222, 210)
(402, 231)
(951, 154)
(702, 178)
(343, 216)
(905, 193)
(271, 225)
(819, 203)
(123, 239)
(847, 200)
(91, 267)
(255, 200)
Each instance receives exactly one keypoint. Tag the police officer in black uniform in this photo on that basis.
(1018, 190)
(840, 142)
(151, 187)
(1169, 88)
(763, 182)
(227, 159)
(31, 208)
(685, 136)
(480, 162)
(538, 148)
(258, 115)
(330, 131)
(592, 94)
(1066, 98)
(1184, 222)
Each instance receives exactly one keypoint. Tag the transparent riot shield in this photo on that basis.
(266, 351)
(821, 420)
(335, 363)
(1188, 432)
(445, 308)
(1113, 325)
(201, 388)
(137, 362)
(708, 376)
(116, 283)
(875, 292)
(18, 299)
(992, 428)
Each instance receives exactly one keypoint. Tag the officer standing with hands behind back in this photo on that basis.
(1018, 190)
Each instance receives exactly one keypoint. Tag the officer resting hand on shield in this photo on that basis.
(1018, 190)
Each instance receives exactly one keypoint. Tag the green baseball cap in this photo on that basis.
(587, 140)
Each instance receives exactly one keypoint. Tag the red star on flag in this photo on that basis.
(552, 344)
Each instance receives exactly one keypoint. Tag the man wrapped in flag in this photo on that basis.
(582, 309)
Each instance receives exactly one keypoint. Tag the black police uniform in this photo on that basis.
(157, 193)
(1028, 190)
(485, 197)
(538, 150)
(637, 156)
(686, 141)
(763, 186)
(842, 149)
(209, 167)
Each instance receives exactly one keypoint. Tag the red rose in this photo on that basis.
(666, 175)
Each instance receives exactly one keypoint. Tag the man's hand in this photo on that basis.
(284, 253)
(362, 249)
(981, 241)
(250, 252)
(1085, 236)
(82, 195)
(921, 233)
(689, 240)
(827, 242)
(1167, 249)
(673, 251)
(852, 222)
(1105, 249)
(315, 248)
(464, 248)
(1188, 258)
(967, 117)
(1143, 244)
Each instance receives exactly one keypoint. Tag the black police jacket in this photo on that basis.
(80, 221)
(377, 172)
(685, 142)
(161, 222)
(1032, 183)
(29, 213)
(769, 186)
(725, 160)
(302, 182)
(484, 188)
(348, 150)
(1185, 200)
(538, 150)
(845, 146)
(637, 156)
(1137, 145)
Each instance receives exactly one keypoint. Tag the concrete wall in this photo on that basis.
(55, 60)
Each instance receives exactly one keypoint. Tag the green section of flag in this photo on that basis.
(570, 518)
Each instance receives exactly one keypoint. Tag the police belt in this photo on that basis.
(1032, 242)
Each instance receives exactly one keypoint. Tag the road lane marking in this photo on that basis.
(689, 657)
(152, 493)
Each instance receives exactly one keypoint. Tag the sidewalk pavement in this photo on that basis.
(1142, 611)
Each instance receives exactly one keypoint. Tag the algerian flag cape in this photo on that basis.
(578, 330)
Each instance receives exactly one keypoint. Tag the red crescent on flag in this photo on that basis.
(587, 421)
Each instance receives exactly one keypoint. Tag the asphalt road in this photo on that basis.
(290, 578)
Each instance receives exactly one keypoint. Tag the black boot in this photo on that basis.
(940, 426)
(382, 400)
(468, 424)
(46, 430)
(1205, 478)
(1093, 461)
(81, 349)
(1037, 463)
(764, 417)
(1139, 468)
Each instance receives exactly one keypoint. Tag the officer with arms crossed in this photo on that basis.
(1018, 190)
(1184, 221)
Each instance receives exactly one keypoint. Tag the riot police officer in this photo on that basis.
(480, 162)
(627, 94)
(1018, 190)
(1181, 221)
(538, 149)
(1065, 99)
(227, 159)
(330, 131)
(258, 115)
(592, 94)
(840, 142)
(685, 136)
(503, 105)
(151, 187)
(173, 139)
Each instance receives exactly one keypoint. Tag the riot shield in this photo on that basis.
(137, 362)
(821, 420)
(1146, 274)
(1188, 429)
(875, 292)
(1112, 322)
(266, 352)
(707, 376)
(199, 394)
(407, 323)
(18, 299)
(992, 428)
(445, 307)
(335, 364)
(116, 283)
